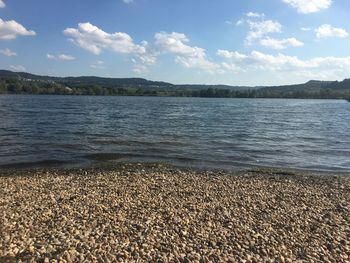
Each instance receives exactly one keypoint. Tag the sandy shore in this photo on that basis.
(156, 213)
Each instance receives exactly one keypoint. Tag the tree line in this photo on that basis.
(18, 86)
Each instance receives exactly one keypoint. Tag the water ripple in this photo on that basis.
(230, 133)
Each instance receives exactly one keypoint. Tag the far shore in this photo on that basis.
(161, 213)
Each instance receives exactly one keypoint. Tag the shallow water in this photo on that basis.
(219, 133)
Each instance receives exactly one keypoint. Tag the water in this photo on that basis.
(220, 133)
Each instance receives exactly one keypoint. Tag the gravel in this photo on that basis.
(159, 213)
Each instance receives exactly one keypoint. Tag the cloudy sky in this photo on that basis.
(251, 42)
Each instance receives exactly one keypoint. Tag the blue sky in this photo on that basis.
(251, 42)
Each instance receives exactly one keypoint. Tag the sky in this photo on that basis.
(250, 42)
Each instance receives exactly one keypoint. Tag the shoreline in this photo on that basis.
(111, 164)
(148, 212)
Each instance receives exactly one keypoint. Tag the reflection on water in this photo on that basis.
(228, 133)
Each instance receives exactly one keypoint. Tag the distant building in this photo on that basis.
(68, 89)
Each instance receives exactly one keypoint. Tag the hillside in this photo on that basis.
(312, 85)
(26, 83)
(87, 80)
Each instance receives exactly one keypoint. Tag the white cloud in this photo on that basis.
(309, 6)
(239, 22)
(326, 31)
(65, 57)
(18, 68)
(2, 4)
(305, 29)
(256, 15)
(318, 66)
(230, 67)
(259, 29)
(95, 40)
(139, 69)
(11, 29)
(98, 65)
(51, 56)
(7, 52)
(128, 1)
(281, 43)
(62, 57)
(175, 43)
(199, 62)
(231, 55)
(186, 55)
(150, 55)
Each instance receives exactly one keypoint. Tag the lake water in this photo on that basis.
(218, 133)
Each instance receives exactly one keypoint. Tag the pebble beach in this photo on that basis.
(160, 213)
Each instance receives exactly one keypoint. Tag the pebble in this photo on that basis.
(158, 213)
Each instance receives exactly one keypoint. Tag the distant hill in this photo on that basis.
(116, 82)
(26, 83)
(312, 85)
(88, 80)
(343, 85)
